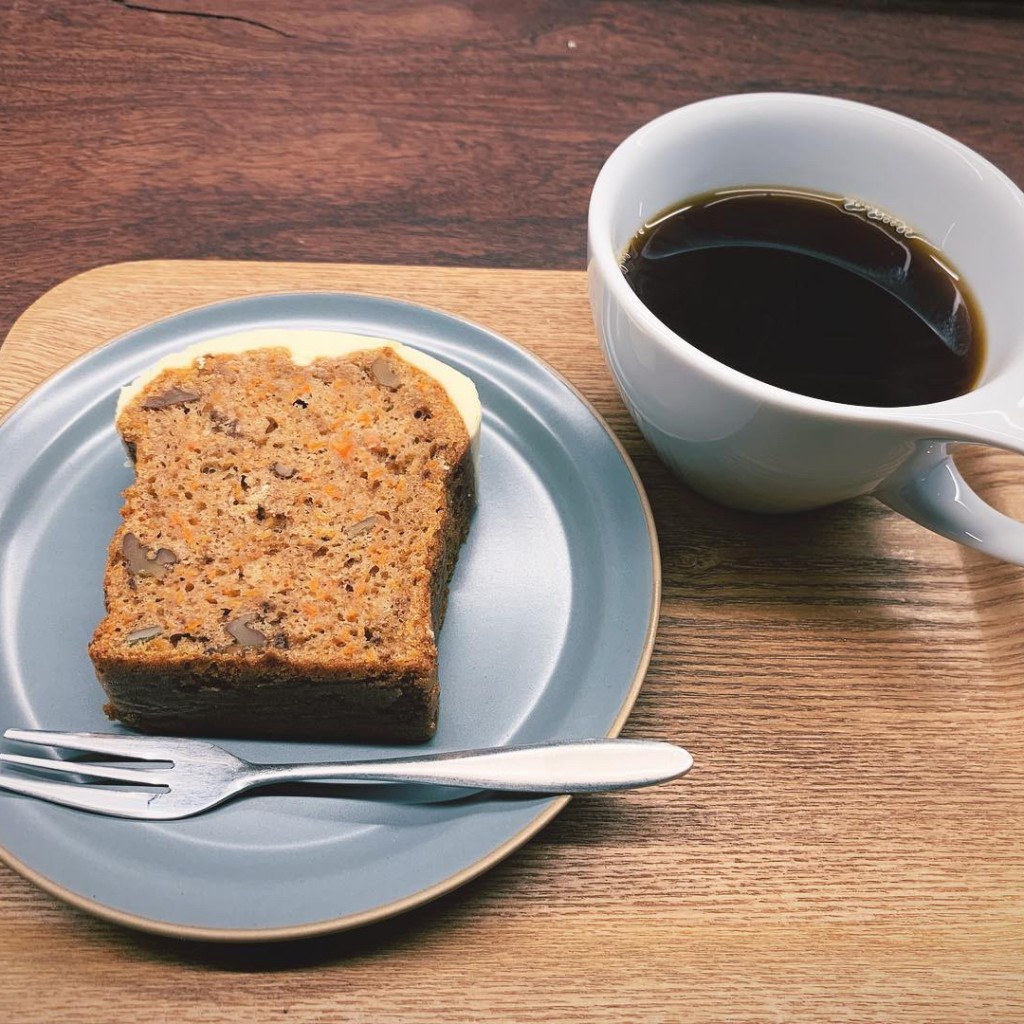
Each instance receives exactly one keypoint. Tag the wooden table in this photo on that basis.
(851, 846)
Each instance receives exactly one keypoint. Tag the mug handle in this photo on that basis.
(929, 489)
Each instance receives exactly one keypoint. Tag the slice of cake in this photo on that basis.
(282, 568)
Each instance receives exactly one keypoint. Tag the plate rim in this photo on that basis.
(393, 908)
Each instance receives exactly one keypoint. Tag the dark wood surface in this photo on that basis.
(851, 849)
(384, 131)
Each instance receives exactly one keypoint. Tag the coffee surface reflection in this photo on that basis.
(821, 295)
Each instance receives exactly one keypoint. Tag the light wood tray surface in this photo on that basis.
(849, 847)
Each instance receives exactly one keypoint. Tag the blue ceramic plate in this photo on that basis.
(550, 624)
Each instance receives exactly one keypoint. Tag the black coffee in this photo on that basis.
(824, 296)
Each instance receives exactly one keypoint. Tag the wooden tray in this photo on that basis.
(851, 843)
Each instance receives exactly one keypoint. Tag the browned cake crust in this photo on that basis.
(282, 567)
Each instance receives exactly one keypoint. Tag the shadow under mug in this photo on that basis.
(757, 447)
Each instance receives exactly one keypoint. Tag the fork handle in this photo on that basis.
(586, 766)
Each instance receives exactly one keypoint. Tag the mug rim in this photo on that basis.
(604, 257)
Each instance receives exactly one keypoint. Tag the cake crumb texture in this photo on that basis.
(282, 566)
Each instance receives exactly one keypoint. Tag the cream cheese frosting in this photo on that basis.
(304, 346)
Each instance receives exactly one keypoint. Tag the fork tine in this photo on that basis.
(145, 747)
(96, 771)
(85, 798)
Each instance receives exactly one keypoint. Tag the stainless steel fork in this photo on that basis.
(175, 778)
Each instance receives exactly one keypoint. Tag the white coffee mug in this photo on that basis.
(755, 446)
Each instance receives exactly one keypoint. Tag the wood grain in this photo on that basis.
(453, 132)
(850, 847)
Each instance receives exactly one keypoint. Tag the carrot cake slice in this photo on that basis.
(282, 566)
